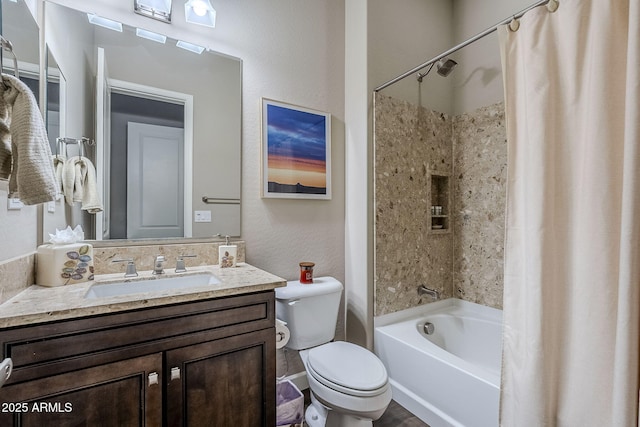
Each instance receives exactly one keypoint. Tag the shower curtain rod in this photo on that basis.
(461, 45)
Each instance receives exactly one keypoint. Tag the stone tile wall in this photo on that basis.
(465, 261)
(411, 144)
(480, 174)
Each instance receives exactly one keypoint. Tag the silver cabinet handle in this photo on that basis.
(6, 366)
(153, 378)
(175, 373)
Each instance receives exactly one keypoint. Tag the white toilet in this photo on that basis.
(349, 384)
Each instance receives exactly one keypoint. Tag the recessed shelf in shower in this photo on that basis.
(440, 202)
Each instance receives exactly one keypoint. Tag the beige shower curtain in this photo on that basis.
(572, 263)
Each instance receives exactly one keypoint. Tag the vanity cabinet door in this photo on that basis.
(124, 393)
(226, 382)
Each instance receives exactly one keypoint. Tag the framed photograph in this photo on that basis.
(296, 152)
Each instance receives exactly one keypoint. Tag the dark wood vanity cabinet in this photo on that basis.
(204, 363)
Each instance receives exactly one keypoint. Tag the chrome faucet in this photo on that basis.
(180, 267)
(131, 267)
(158, 265)
(433, 293)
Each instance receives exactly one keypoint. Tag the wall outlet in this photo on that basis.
(202, 216)
(51, 207)
(14, 204)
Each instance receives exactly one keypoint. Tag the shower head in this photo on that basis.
(445, 66)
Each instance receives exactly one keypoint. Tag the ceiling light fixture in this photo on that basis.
(200, 12)
(104, 22)
(190, 47)
(150, 35)
(156, 9)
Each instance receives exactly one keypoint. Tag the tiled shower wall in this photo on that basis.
(411, 144)
(466, 261)
(479, 192)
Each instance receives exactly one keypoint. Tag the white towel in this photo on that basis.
(90, 200)
(71, 193)
(79, 184)
(58, 166)
(26, 160)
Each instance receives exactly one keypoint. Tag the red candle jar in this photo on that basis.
(306, 272)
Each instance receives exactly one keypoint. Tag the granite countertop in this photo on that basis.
(38, 304)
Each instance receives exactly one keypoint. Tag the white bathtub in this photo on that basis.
(448, 378)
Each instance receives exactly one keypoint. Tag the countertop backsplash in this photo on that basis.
(144, 256)
(17, 274)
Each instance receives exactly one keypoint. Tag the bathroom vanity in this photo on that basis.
(191, 358)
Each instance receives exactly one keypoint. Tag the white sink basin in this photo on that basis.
(156, 284)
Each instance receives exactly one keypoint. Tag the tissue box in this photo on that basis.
(58, 265)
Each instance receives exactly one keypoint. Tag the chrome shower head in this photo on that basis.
(445, 66)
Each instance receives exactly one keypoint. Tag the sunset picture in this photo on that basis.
(296, 152)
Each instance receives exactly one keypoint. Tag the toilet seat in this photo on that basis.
(348, 368)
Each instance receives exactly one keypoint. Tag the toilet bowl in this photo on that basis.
(349, 384)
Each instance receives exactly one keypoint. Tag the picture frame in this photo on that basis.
(296, 152)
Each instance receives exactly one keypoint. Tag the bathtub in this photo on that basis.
(448, 378)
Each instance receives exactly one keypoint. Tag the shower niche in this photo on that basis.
(440, 203)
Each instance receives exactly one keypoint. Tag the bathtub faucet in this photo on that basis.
(433, 293)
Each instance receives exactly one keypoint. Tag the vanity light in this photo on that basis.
(150, 35)
(156, 9)
(190, 47)
(104, 22)
(200, 12)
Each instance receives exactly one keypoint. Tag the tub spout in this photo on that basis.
(433, 293)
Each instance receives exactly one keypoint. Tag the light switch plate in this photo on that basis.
(14, 204)
(202, 216)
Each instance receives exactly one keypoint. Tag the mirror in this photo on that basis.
(54, 110)
(166, 123)
(20, 28)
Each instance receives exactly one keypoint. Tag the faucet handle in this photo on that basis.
(131, 267)
(180, 267)
(157, 265)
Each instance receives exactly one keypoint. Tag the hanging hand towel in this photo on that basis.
(58, 166)
(5, 140)
(71, 186)
(79, 184)
(90, 200)
(31, 178)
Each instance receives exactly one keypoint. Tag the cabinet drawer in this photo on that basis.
(35, 350)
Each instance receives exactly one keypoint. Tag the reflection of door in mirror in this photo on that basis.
(155, 177)
(139, 172)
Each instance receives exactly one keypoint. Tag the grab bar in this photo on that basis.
(218, 201)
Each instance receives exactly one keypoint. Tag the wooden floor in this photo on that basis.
(397, 416)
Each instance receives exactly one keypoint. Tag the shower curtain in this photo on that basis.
(572, 248)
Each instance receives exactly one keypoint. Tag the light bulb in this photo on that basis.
(199, 8)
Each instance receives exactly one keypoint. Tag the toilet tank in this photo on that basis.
(310, 310)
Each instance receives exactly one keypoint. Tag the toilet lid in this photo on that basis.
(348, 366)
